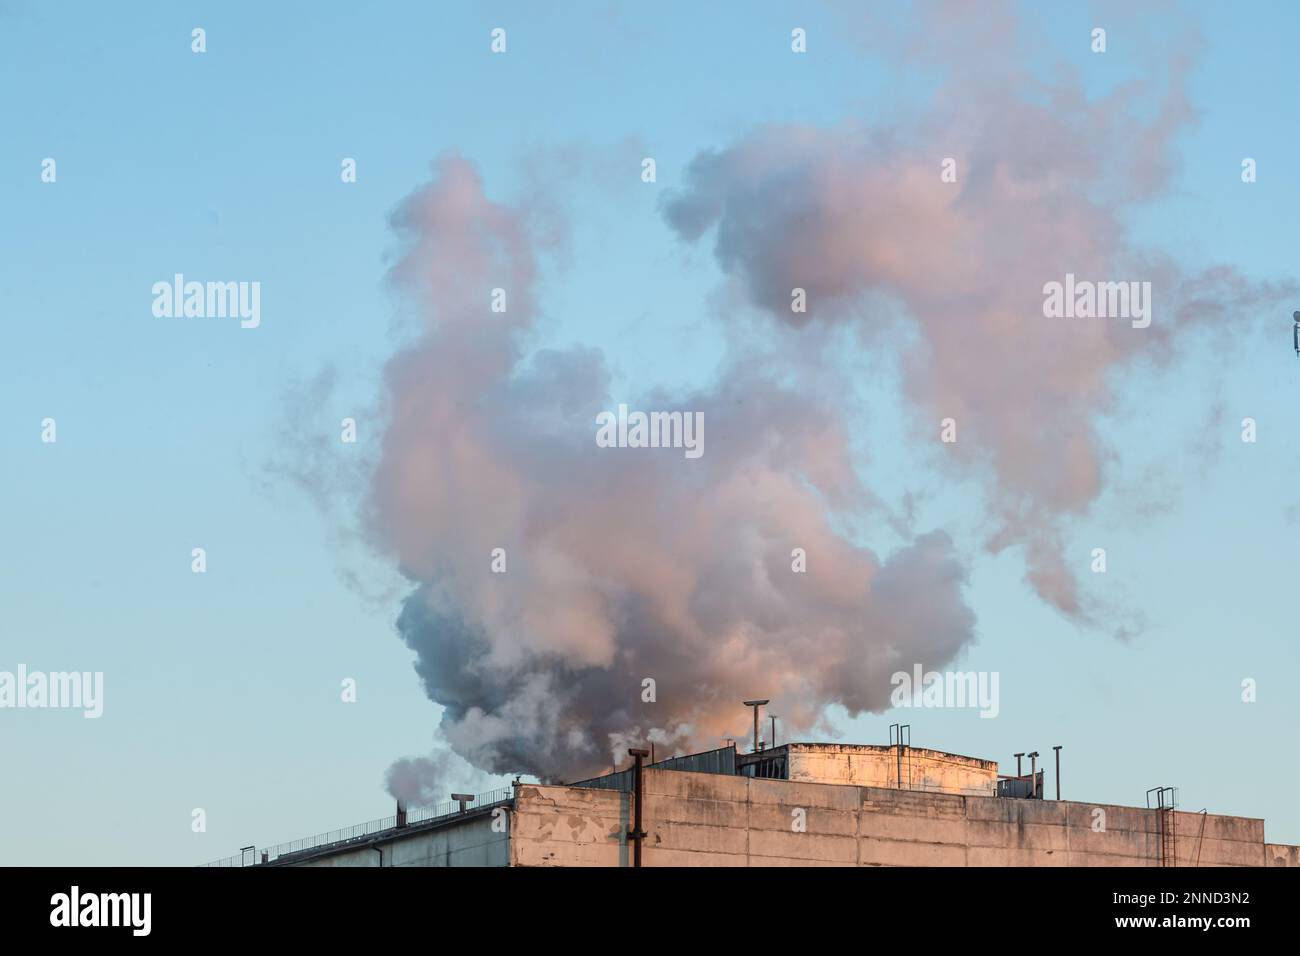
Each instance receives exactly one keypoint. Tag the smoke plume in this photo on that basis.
(429, 781)
(861, 220)
(621, 566)
(641, 595)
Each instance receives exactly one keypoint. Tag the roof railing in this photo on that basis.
(253, 856)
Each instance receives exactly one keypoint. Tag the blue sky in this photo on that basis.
(222, 689)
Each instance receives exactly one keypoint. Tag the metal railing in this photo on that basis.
(361, 831)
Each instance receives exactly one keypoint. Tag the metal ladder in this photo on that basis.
(1166, 802)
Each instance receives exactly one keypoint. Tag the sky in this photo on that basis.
(222, 690)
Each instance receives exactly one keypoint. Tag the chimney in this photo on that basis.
(401, 813)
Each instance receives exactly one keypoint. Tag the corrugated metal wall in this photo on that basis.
(722, 760)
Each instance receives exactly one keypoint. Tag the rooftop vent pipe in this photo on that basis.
(756, 704)
(636, 834)
(462, 799)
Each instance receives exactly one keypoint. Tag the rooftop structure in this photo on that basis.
(800, 804)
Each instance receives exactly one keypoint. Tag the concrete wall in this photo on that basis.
(877, 766)
(571, 826)
(1278, 854)
(471, 842)
(696, 819)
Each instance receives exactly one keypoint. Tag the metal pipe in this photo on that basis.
(755, 704)
(1033, 774)
(772, 717)
(898, 729)
(902, 746)
(1018, 756)
(636, 834)
(1058, 771)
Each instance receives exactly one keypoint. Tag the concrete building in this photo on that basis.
(871, 765)
(796, 805)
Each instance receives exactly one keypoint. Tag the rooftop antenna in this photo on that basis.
(756, 704)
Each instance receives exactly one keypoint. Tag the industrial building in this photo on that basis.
(800, 804)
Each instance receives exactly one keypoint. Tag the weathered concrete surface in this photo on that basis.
(1278, 854)
(699, 819)
(702, 819)
(871, 765)
(569, 826)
